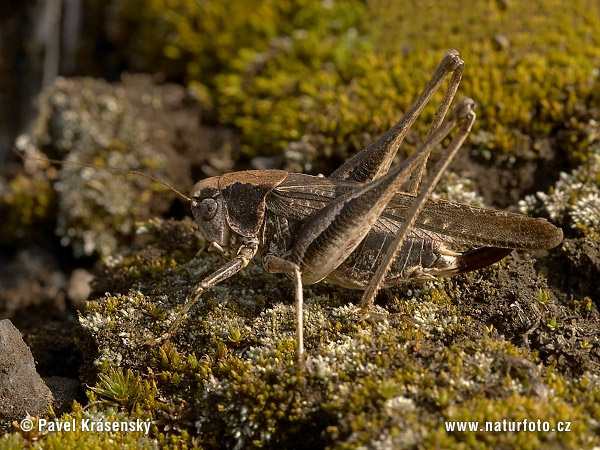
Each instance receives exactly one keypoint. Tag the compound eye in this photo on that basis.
(208, 208)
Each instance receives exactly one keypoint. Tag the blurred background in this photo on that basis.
(318, 76)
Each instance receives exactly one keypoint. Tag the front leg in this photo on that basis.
(245, 255)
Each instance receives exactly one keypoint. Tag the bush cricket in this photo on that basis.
(357, 228)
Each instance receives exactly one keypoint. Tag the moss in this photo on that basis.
(479, 348)
(319, 79)
(542, 79)
(122, 389)
(86, 439)
(392, 382)
(27, 205)
(119, 396)
(228, 376)
(499, 413)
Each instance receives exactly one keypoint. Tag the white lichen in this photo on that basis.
(574, 200)
(454, 188)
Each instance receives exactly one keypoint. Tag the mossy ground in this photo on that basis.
(479, 349)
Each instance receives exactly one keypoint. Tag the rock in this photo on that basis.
(22, 391)
(133, 125)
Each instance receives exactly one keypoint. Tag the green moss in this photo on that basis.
(319, 79)
(538, 80)
(391, 383)
(86, 439)
(499, 413)
(26, 205)
(122, 389)
(228, 376)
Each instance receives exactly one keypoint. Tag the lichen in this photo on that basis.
(316, 80)
(574, 200)
(228, 376)
(455, 188)
(88, 121)
(389, 383)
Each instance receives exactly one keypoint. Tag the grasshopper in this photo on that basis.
(357, 228)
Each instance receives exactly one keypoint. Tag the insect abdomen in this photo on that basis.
(356, 271)
(418, 258)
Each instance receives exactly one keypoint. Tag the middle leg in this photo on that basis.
(275, 264)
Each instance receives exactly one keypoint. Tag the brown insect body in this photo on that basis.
(271, 206)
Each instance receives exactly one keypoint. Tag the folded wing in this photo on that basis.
(300, 196)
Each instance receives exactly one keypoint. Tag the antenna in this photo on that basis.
(98, 166)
